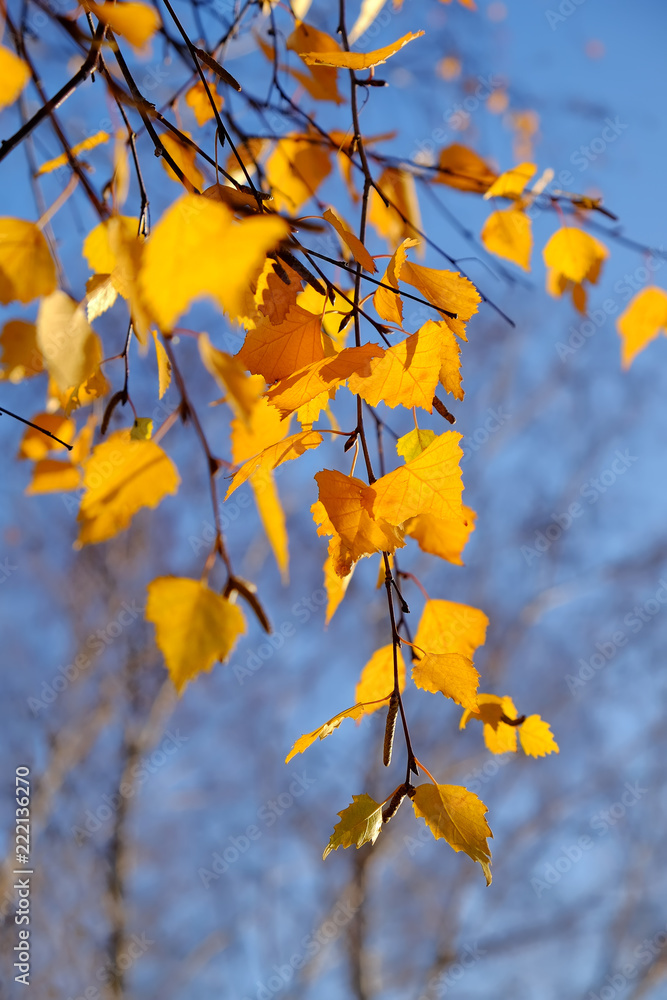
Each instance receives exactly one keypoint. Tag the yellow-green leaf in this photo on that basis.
(326, 729)
(457, 815)
(360, 823)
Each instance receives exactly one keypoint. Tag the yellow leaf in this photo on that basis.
(450, 369)
(100, 295)
(60, 161)
(536, 737)
(52, 476)
(296, 168)
(463, 169)
(194, 626)
(142, 429)
(644, 318)
(198, 249)
(35, 445)
(320, 81)
(273, 456)
(136, 22)
(439, 537)
(324, 730)
(325, 375)
(277, 350)
(572, 257)
(407, 374)
(197, 99)
(445, 290)
(457, 815)
(99, 245)
(120, 477)
(14, 74)
(512, 183)
(184, 156)
(163, 366)
(449, 673)
(335, 585)
(388, 304)
(369, 12)
(358, 60)
(70, 349)
(263, 429)
(498, 736)
(448, 627)
(360, 824)
(21, 357)
(377, 678)
(508, 234)
(242, 390)
(428, 484)
(414, 443)
(401, 218)
(353, 243)
(273, 518)
(343, 510)
(26, 266)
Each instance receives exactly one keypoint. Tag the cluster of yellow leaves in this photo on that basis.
(500, 737)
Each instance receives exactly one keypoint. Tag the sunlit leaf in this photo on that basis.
(377, 678)
(353, 243)
(324, 730)
(428, 484)
(70, 349)
(536, 737)
(644, 318)
(445, 538)
(21, 357)
(457, 815)
(512, 183)
(360, 823)
(14, 74)
(508, 234)
(407, 374)
(452, 674)
(464, 169)
(322, 376)
(26, 266)
(359, 60)
(137, 22)
(81, 147)
(448, 627)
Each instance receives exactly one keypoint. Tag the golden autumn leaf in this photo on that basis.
(573, 256)
(343, 510)
(452, 674)
(249, 438)
(450, 367)
(163, 366)
(272, 517)
(456, 815)
(442, 537)
(388, 304)
(198, 249)
(14, 74)
(508, 234)
(428, 484)
(406, 375)
(120, 477)
(81, 147)
(242, 390)
(324, 375)
(352, 242)
(137, 22)
(277, 350)
(376, 682)
(70, 349)
(184, 157)
(511, 184)
(498, 736)
(320, 81)
(414, 443)
(448, 627)
(296, 168)
(334, 584)
(446, 290)
(26, 265)
(400, 219)
(99, 246)
(194, 626)
(283, 451)
(360, 823)
(358, 60)
(643, 319)
(326, 729)
(21, 357)
(198, 100)
(462, 168)
(50, 475)
(536, 737)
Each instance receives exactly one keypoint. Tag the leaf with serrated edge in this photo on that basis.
(536, 737)
(303, 742)
(449, 673)
(360, 823)
(457, 815)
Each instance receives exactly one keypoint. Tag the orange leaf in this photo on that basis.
(319, 81)
(463, 169)
(358, 60)
(429, 484)
(446, 290)
(407, 374)
(353, 243)
(296, 168)
(441, 537)
(512, 183)
(273, 456)
(325, 375)
(277, 350)
(388, 304)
